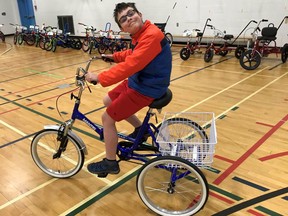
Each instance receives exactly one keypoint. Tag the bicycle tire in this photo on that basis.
(54, 44)
(250, 60)
(2, 36)
(238, 51)
(208, 55)
(223, 52)
(41, 42)
(15, 38)
(20, 39)
(169, 38)
(44, 145)
(284, 53)
(170, 185)
(184, 53)
(102, 49)
(29, 39)
(85, 45)
(48, 45)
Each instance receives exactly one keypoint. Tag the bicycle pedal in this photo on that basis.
(102, 175)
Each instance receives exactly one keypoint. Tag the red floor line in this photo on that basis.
(49, 98)
(251, 211)
(237, 163)
(10, 110)
(268, 125)
(48, 83)
(221, 197)
(269, 157)
(45, 84)
(223, 159)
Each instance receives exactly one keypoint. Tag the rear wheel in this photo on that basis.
(250, 60)
(284, 53)
(170, 185)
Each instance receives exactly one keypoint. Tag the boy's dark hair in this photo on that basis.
(120, 7)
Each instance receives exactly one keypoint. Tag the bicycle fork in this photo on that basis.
(62, 137)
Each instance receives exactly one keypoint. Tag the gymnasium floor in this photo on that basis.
(249, 173)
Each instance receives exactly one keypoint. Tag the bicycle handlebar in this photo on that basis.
(81, 72)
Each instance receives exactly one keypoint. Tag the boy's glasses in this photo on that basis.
(130, 13)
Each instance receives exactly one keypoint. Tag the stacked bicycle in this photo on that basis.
(170, 183)
(58, 38)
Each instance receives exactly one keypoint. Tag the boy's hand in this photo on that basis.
(107, 58)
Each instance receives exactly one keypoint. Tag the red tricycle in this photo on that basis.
(190, 48)
(251, 58)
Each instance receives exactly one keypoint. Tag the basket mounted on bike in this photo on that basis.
(193, 139)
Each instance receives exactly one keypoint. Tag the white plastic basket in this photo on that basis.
(189, 135)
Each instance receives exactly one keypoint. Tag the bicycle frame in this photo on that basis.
(146, 126)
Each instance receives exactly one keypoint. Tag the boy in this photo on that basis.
(145, 69)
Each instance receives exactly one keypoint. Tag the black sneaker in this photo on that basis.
(104, 166)
(135, 133)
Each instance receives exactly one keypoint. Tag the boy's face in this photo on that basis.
(130, 21)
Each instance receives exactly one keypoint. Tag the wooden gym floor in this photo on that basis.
(249, 173)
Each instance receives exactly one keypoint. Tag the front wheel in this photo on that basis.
(44, 147)
(284, 53)
(185, 53)
(169, 38)
(170, 185)
(48, 45)
(250, 59)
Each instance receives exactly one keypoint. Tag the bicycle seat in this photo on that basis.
(268, 33)
(199, 34)
(228, 37)
(162, 101)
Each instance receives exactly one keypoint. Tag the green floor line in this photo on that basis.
(267, 211)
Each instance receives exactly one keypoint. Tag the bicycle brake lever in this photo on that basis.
(88, 87)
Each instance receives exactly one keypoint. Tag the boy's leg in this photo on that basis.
(133, 120)
(110, 136)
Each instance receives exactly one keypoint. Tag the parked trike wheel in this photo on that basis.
(208, 56)
(238, 51)
(284, 53)
(223, 51)
(184, 53)
(250, 60)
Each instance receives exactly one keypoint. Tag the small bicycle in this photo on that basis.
(169, 184)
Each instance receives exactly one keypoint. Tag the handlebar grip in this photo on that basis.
(94, 82)
(210, 26)
(264, 20)
(254, 21)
